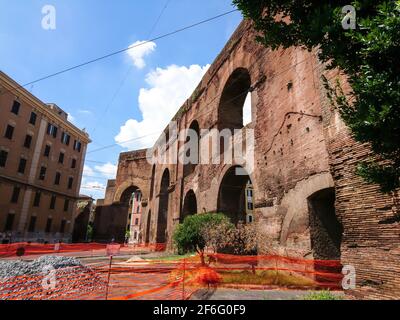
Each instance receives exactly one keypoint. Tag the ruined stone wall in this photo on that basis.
(291, 159)
(110, 192)
(133, 170)
(302, 148)
(371, 239)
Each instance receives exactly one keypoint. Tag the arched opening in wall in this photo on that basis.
(126, 196)
(232, 107)
(153, 173)
(148, 225)
(235, 196)
(163, 208)
(189, 205)
(192, 149)
(326, 230)
(131, 202)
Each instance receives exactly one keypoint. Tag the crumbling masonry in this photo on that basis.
(307, 197)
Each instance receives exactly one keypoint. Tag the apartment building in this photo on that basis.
(42, 156)
(135, 213)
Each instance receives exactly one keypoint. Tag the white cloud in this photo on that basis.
(95, 189)
(140, 49)
(71, 118)
(85, 112)
(108, 170)
(94, 185)
(168, 89)
(87, 171)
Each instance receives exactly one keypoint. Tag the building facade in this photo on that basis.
(135, 217)
(306, 197)
(41, 163)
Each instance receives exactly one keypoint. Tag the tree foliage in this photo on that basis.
(368, 55)
(189, 236)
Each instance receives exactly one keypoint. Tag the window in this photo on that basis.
(62, 226)
(65, 138)
(61, 158)
(77, 145)
(3, 158)
(28, 141)
(52, 130)
(22, 166)
(15, 195)
(53, 202)
(66, 205)
(9, 132)
(42, 174)
(32, 224)
(48, 225)
(36, 201)
(136, 221)
(135, 235)
(15, 107)
(57, 179)
(73, 164)
(47, 151)
(9, 222)
(70, 182)
(32, 119)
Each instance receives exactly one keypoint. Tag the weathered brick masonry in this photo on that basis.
(303, 157)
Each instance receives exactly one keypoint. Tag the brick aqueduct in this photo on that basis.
(307, 198)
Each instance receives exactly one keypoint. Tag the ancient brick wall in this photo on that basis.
(291, 159)
(304, 160)
(370, 218)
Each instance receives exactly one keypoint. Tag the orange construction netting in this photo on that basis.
(176, 279)
(29, 249)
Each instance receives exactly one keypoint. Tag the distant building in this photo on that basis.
(249, 202)
(41, 162)
(134, 217)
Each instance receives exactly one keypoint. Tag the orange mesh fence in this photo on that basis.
(177, 279)
(11, 250)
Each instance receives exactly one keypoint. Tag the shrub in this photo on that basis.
(191, 234)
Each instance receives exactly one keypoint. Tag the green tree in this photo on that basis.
(189, 236)
(369, 55)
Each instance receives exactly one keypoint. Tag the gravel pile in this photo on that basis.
(23, 280)
(17, 268)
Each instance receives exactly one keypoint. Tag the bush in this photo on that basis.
(191, 235)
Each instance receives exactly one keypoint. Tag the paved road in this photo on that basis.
(236, 294)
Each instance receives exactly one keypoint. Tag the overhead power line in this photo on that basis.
(123, 50)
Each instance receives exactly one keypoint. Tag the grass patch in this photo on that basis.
(265, 277)
(322, 295)
(173, 257)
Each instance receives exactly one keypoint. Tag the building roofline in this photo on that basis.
(13, 87)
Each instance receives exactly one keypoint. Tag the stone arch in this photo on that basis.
(137, 183)
(189, 205)
(127, 193)
(162, 219)
(192, 148)
(233, 97)
(232, 200)
(295, 202)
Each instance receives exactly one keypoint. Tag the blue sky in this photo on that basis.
(128, 95)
